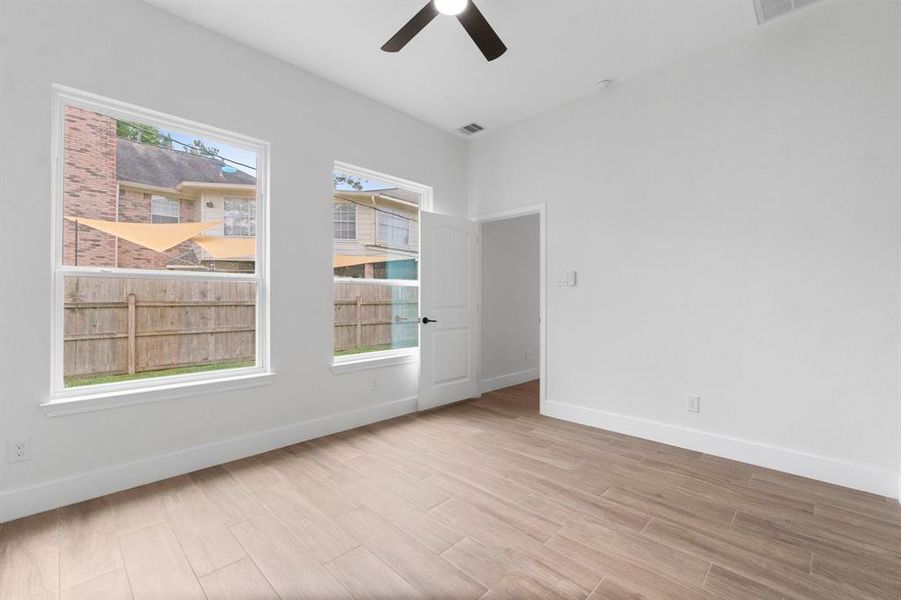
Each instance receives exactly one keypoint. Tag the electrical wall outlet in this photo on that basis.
(19, 449)
(692, 403)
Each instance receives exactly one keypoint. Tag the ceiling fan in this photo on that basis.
(467, 13)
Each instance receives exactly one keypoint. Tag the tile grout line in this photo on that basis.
(597, 585)
(706, 575)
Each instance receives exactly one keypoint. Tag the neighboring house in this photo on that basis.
(114, 179)
(376, 233)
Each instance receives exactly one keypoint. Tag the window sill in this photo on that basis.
(88, 402)
(374, 360)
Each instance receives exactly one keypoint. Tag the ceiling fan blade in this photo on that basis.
(481, 32)
(413, 26)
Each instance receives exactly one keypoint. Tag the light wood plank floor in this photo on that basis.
(483, 499)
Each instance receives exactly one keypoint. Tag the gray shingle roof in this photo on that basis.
(161, 167)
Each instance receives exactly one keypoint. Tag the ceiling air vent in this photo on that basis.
(767, 10)
(470, 129)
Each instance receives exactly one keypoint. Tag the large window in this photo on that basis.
(164, 210)
(376, 263)
(159, 267)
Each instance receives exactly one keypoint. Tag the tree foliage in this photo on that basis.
(144, 134)
(201, 149)
(343, 178)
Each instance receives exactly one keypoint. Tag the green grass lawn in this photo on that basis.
(77, 380)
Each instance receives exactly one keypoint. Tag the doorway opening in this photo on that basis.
(512, 307)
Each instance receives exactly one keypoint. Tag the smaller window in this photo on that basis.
(163, 209)
(394, 228)
(238, 218)
(345, 221)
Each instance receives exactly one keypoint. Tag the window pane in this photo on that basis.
(369, 318)
(376, 237)
(165, 207)
(345, 221)
(140, 197)
(394, 228)
(376, 229)
(239, 216)
(177, 327)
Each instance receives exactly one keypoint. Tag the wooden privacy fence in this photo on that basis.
(133, 325)
(115, 326)
(368, 316)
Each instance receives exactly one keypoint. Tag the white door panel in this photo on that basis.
(448, 299)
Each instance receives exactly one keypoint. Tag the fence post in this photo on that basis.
(359, 320)
(131, 334)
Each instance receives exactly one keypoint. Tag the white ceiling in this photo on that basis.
(558, 49)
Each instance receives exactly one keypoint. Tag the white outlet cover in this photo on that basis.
(18, 449)
(692, 403)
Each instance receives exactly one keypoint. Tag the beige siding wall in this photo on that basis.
(367, 229)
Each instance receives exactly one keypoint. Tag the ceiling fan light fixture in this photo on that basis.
(451, 7)
(470, 17)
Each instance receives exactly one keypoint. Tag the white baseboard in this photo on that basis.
(30, 500)
(852, 475)
(495, 383)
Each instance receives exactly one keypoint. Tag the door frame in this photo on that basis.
(539, 209)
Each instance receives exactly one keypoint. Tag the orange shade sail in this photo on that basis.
(156, 236)
(346, 260)
(222, 248)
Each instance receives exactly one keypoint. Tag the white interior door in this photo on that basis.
(448, 299)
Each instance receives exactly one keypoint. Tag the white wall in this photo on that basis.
(510, 298)
(136, 53)
(736, 223)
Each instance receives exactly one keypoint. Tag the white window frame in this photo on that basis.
(371, 360)
(64, 400)
(169, 201)
(353, 212)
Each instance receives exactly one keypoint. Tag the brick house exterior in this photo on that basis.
(115, 179)
(89, 185)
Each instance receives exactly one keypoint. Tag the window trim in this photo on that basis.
(374, 360)
(426, 193)
(108, 395)
(385, 358)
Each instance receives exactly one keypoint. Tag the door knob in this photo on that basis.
(426, 321)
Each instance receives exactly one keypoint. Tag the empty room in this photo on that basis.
(450, 299)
